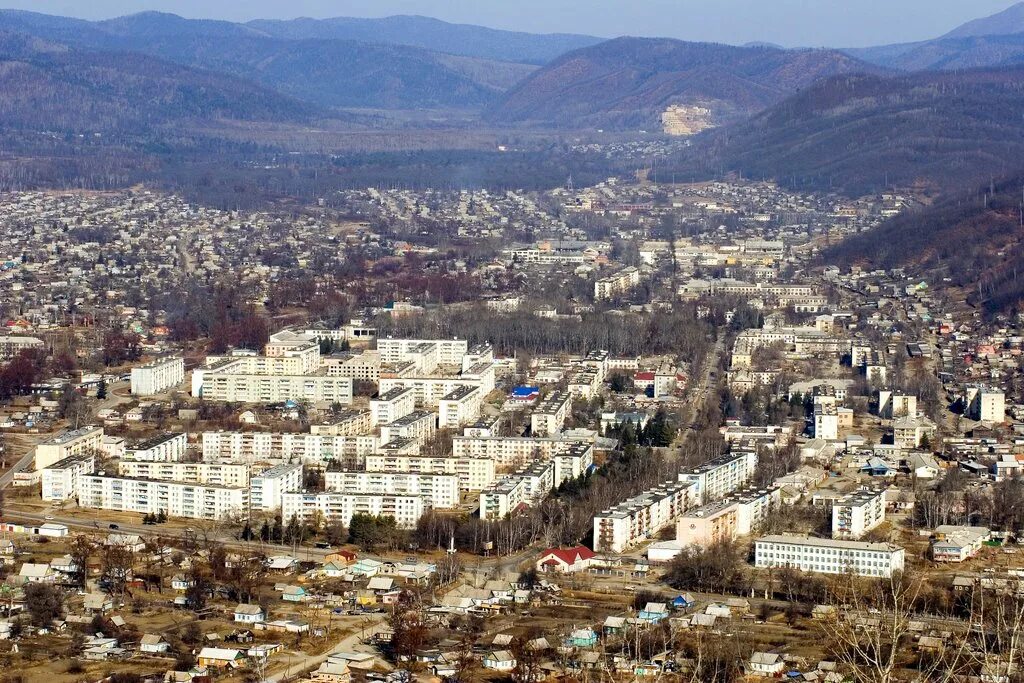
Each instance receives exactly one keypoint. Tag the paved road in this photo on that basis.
(24, 463)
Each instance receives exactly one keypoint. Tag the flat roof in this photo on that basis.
(794, 539)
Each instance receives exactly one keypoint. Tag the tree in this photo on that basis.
(44, 603)
(81, 549)
(408, 629)
(101, 389)
(118, 561)
(199, 585)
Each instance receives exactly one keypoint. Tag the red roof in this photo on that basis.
(570, 556)
(644, 375)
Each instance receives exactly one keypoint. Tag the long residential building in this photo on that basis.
(441, 489)
(527, 486)
(428, 390)
(419, 426)
(157, 376)
(13, 346)
(642, 516)
(341, 506)
(721, 476)
(828, 556)
(474, 474)
(460, 407)
(146, 496)
(169, 447)
(728, 518)
(219, 473)
(449, 351)
(253, 447)
(68, 443)
(392, 404)
(230, 383)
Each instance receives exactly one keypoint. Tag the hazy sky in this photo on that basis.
(836, 23)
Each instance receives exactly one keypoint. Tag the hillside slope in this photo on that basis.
(974, 239)
(863, 133)
(432, 34)
(627, 82)
(968, 52)
(47, 86)
(1010, 20)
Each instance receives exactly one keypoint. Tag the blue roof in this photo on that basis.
(525, 391)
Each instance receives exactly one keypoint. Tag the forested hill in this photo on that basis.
(863, 133)
(46, 86)
(628, 82)
(975, 239)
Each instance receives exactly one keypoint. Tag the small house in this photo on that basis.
(153, 644)
(499, 660)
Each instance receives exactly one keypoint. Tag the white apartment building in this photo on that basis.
(60, 480)
(341, 506)
(13, 346)
(485, 425)
(347, 423)
(219, 473)
(986, 404)
(478, 354)
(231, 383)
(856, 514)
(419, 426)
(527, 486)
(363, 366)
(68, 443)
(251, 447)
(828, 556)
(177, 499)
(449, 351)
(428, 390)
(641, 517)
(391, 405)
(460, 407)
(473, 474)
(158, 376)
(267, 489)
(160, 448)
(507, 451)
(894, 405)
(721, 476)
(442, 490)
(572, 460)
(548, 417)
(826, 421)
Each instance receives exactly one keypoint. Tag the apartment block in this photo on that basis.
(459, 407)
(641, 517)
(267, 489)
(167, 447)
(548, 417)
(341, 506)
(826, 421)
(361, 366)
(894, 405)
(617, 283)
(68, 443)
(828, 555)
(419, 426)
(442, 490)
(728, 518)
(986, 404)
(572, 460)
(856, 514)
(428, 390)
(346, 423)
(473, 474)
(14, 345)
(721, 476)
(219, 473)
(158, 376)
(527, 486)
(952, 543)
(506, 451)
(146, 496)
(251, 447)
(392, 404)
(449, 351)
(60, 480)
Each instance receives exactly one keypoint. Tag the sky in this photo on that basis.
(791, 23)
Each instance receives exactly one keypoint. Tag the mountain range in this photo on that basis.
(628, 82)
